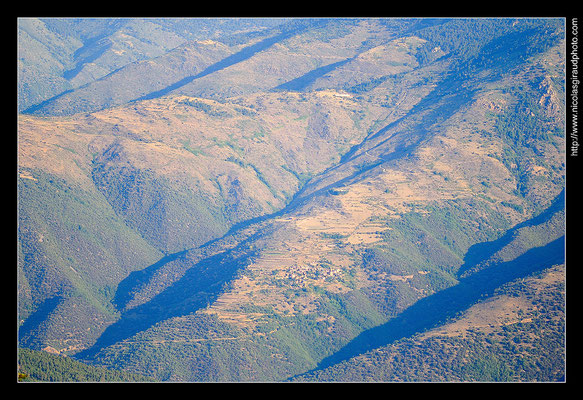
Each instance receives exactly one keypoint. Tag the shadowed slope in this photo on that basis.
(445, 304)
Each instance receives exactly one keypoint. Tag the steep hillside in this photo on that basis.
(40, 366)
(513, 331)
(122, 187)
(517, 335)
(135, 79)
(58, 55)
(293, 56)
(271, 205)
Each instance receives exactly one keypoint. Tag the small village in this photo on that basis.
(300, 275)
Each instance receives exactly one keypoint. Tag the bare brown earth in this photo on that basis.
(323, 239)
(502, 310)
(344, 175)
(209, 145)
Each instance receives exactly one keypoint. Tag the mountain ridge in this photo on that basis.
(259, 233)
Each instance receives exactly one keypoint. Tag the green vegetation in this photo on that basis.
(510, 40)
(62, 229)
(522, 128)
(206, 108)
(217, 225)
(532, 350)
(194, 150)
(152, 205)
(277, 348)
(39, 366)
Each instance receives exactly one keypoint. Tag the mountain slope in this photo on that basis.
(286, 217)
(57, 56)
(166, 186)
(290, 288)
(517, 335)
(445, 304)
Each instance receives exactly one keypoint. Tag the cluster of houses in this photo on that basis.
(300, 274)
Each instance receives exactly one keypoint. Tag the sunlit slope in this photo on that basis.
(58, 56)
(119, 188)
(277, 220)
(363, 241)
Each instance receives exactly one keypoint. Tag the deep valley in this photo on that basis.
(292, 200)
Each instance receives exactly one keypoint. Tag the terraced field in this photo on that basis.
(296, 198)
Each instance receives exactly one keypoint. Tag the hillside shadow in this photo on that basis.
(198, 287)
(33, 321)
(286, 31)
(138, 279)
(410, 138)
(435, 309)
(242, 55)
(483, 251)
(301, 83)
